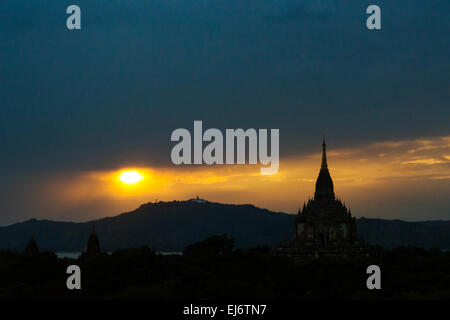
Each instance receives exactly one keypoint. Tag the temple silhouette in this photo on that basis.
(324, 227)
(31, 249)
(93, 246)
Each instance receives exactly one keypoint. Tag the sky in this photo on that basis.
(79, 107)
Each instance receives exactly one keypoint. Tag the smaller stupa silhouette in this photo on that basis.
(31, 249)
(93, 246)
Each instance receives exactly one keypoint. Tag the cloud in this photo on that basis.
(109, 97)
(361, 177)
(429, 161)
(279, 11)
(422, 158)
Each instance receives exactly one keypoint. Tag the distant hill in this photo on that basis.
(164, 226)
(170, 226)
(397, 233)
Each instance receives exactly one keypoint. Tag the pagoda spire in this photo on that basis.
(324, 156)
(31, 248)
(93, 246)
(324, 183)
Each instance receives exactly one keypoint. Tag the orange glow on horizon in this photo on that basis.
(361, 175)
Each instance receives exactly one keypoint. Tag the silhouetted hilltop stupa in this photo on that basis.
(31, 248)
(198, 200)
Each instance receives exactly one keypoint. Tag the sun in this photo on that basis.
(131, 177)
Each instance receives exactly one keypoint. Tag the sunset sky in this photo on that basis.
(78, 108)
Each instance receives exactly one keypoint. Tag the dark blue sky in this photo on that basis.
(111, 94)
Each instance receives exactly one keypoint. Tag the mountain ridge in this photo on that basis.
(171, 225)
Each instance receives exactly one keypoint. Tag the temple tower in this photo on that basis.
(31, 249)
(324, 183)
(324, 227)
(93, 246)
